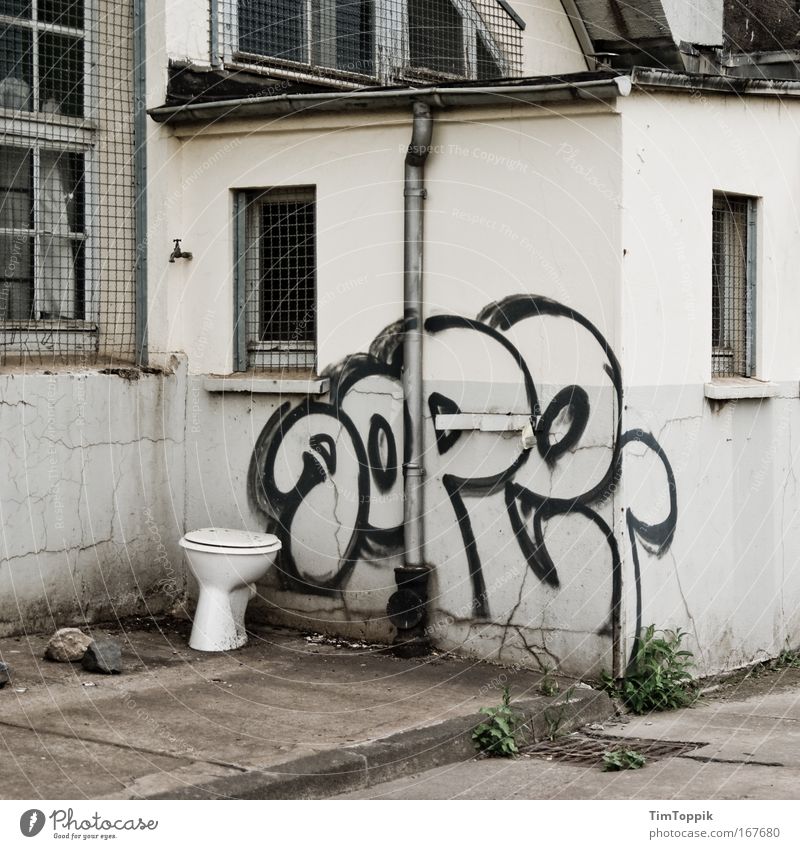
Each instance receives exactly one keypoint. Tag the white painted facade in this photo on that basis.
(593, 207)
(602, 208)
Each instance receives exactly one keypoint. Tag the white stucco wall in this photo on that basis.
(730, 577)
(549, 42)
(508, 213)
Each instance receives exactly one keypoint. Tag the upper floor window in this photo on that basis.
(385, 40)
(335, 34)
(733, 286)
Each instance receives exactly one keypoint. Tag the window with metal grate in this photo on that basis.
(66, 179)
(363, 41)
(436, 37)
(279, 257)
(733, 287)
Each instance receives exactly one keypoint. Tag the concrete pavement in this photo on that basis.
(748, 733)
(288, 716)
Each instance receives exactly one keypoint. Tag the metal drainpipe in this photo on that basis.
(407, 606)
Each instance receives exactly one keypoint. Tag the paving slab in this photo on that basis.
(271, 720)
(749, 748)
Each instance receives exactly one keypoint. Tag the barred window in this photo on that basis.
(385, 40)
(280, 291)
(733, 286)
(66, 179)
(326, 33)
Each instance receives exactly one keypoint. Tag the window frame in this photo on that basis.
(749, 355)
(256, 354)
(37, 132)
(391, 51)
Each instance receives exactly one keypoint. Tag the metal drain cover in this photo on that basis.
(582, 748)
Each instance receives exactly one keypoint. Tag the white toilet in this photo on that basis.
(226, 563)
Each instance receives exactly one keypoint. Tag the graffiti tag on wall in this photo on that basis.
(348, 456)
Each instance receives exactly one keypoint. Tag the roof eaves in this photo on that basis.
(586, 87)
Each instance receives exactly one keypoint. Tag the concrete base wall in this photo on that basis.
(91, 499)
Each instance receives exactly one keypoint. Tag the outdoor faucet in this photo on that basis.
(177, 253)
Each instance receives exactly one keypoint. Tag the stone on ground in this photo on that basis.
(67, 645)
(103, 655)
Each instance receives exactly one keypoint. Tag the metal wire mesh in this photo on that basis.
(368, 41)
(280, 274)
(67, 237)
(731, 326)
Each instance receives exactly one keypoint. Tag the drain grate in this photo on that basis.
(582, 748)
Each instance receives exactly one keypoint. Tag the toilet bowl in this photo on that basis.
(226, 563)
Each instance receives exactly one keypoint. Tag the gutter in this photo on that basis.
(650, 79)
(441, 97)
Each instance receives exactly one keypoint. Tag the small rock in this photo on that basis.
(5, 675)
(68, 645)
(103, 655)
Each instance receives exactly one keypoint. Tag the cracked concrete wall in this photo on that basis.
(731, 576)
(92, 495)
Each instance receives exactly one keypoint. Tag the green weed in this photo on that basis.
(659, 677)
(618, 759)
(496, 735)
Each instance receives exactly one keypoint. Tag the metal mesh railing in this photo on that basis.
(280, 279)
(67, 226)
(731, 325)
(369, 41)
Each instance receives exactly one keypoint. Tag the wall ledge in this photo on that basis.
(732, 388)
(266, 385)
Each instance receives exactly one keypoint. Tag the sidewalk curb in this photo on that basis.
(350, 768)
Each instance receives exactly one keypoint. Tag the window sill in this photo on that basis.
(265, 385)
(733, 388)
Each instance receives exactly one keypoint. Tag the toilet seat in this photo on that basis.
(230, 541)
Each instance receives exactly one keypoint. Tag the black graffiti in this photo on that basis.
(380, 432)
(376, 457)
(320, 463)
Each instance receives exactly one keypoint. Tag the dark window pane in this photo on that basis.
(343, 35)
(488, 68)
(273, 28)
(729, 281)
(61, 74)
(16, 69)
(16, 189)
(436, 38)
(16, 279)
(288, 273)
(15, 8)
(65, 13)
